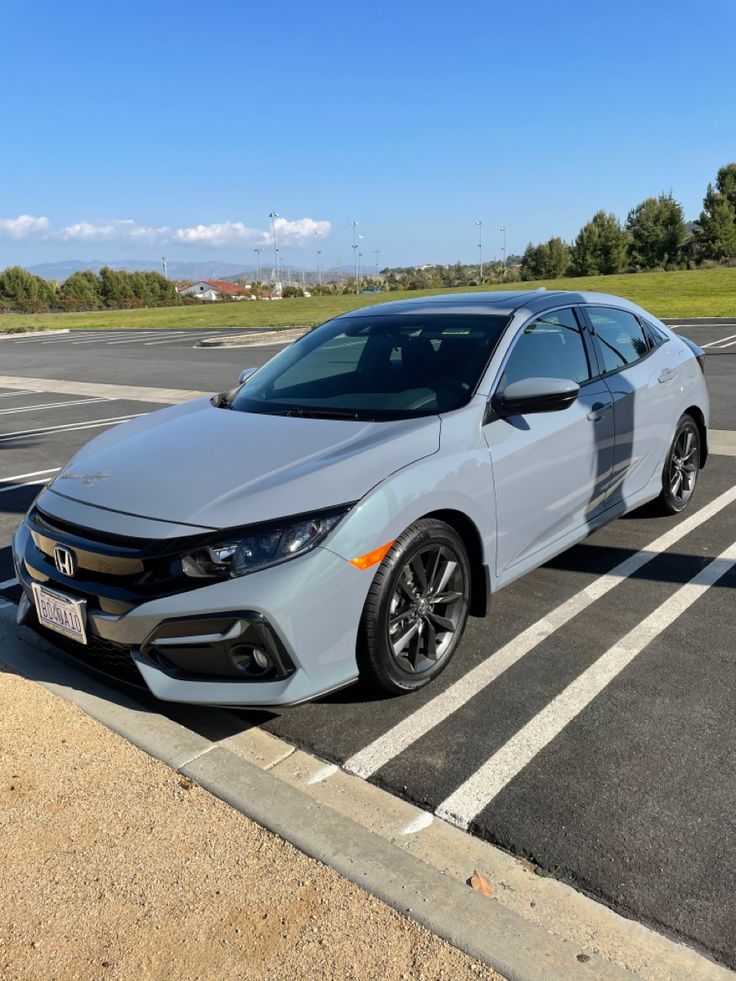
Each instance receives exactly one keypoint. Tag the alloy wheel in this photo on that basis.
(684, 466)
(427, 607)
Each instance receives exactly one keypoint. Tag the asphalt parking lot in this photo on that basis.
(586, 725)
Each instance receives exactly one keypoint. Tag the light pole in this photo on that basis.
(166, 267)
(273, 215)
(503, 229)
(355, 252)
(376, 253)
(319, 266)
(479, 223)
(258, 253)
(360, 256)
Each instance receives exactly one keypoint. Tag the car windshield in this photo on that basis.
(377, 367)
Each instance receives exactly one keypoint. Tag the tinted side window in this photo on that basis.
(656, 335)
(549, 347)
(620, 337)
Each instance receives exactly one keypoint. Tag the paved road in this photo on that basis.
(587, 725)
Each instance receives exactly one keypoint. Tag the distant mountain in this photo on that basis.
(177, 270)
(184, 270)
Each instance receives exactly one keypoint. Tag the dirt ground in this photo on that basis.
(113, 866)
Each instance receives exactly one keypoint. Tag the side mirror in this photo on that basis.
(535, 395)
(244, 374)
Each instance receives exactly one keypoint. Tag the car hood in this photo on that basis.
(218, 468)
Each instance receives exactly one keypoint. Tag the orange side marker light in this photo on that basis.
(371, 558)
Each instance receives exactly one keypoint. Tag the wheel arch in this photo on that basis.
(699, 418)
(480, 578)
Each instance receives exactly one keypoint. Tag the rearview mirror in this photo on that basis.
(535, 395)
(244, 374)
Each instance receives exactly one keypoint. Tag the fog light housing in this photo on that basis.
(240, 646)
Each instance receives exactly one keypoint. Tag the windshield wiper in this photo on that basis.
(308, 412)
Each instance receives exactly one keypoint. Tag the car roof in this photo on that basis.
(498, 302)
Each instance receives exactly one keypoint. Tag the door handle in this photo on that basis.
(667, 375)
(599, 410)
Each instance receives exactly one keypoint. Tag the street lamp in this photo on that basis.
(503, 229)
(376, 253)
(166, 267)
(258, 253)
(354, 223)
(479, 223)
(273, 215)
(319, 266)
(360, 256)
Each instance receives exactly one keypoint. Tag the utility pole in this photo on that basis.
(376, 253)
(355, 253)
(503, 229)
(480, 250)
(273, 215)
(258, 254)
(360, 256)
(319, 266)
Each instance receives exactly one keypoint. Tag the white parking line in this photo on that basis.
(175, 340)
(25, 476)
(49, 405)
(479, 790)
(26, 483)
(721, 346)
(69, 427)
(8, 583)
(69, 338)
(711, 326)
(719, 341)
(372, 757)
(139, 335)
(103, 335)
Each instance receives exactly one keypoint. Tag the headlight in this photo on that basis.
(261, 546)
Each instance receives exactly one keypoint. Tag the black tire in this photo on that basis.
(681, 468)
(399, 602)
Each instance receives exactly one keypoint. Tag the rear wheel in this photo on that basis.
(417, 608)
(681, 467)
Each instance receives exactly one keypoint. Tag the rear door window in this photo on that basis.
(620, 338)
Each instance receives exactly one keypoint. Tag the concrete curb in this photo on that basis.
(261, 338)
(418, 868)
(16, 335)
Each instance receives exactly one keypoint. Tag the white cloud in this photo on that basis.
(296, 233)
(299, 232)
(119, 229)
(221, 233)
(24, 226)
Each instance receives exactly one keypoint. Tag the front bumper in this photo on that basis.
(304, 613)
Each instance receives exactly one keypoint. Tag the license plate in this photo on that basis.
(63, 614)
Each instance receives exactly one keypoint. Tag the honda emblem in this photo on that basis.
(65, 560)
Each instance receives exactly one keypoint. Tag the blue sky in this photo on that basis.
(136, 129)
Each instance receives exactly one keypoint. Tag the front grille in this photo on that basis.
(99, 655)
(114, 574)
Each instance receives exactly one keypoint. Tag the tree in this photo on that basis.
(718, 217)
(656, 228)
(21, 290)
(548, 260)
(115, 288)
(600, 247)
(81, 291)
(291, 292)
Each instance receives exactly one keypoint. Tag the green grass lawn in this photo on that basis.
(690, 293)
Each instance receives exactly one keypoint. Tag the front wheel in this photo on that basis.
(681, 467)
(416, 609)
